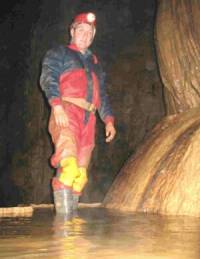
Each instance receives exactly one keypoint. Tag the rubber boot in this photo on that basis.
(75, 202)
(63, 201)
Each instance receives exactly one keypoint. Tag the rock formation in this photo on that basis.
(163, 176)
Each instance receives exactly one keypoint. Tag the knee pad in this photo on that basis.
(69, 171)
(80, 181)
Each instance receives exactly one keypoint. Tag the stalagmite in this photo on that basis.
(163, 176)
(178, 51)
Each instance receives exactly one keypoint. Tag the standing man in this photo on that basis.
(73, 82)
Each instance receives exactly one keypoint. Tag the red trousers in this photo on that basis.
(76, 139)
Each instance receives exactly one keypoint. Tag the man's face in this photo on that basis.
(82, 36)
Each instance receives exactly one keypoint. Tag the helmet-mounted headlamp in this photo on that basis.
(89, 18)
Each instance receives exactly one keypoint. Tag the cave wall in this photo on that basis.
(14, 49)
(133, 85)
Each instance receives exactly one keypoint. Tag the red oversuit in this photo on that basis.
(66, 72)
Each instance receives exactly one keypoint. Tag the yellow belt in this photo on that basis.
(80, 102)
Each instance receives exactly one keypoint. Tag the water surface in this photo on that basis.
(100, 233)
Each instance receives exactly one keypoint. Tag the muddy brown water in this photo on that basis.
(100, 233)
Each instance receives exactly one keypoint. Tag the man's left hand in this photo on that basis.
(110, 132)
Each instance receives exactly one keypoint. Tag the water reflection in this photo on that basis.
(100, 233)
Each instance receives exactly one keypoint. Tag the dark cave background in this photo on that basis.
(125, 44)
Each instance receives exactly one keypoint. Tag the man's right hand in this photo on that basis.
(60, 116)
